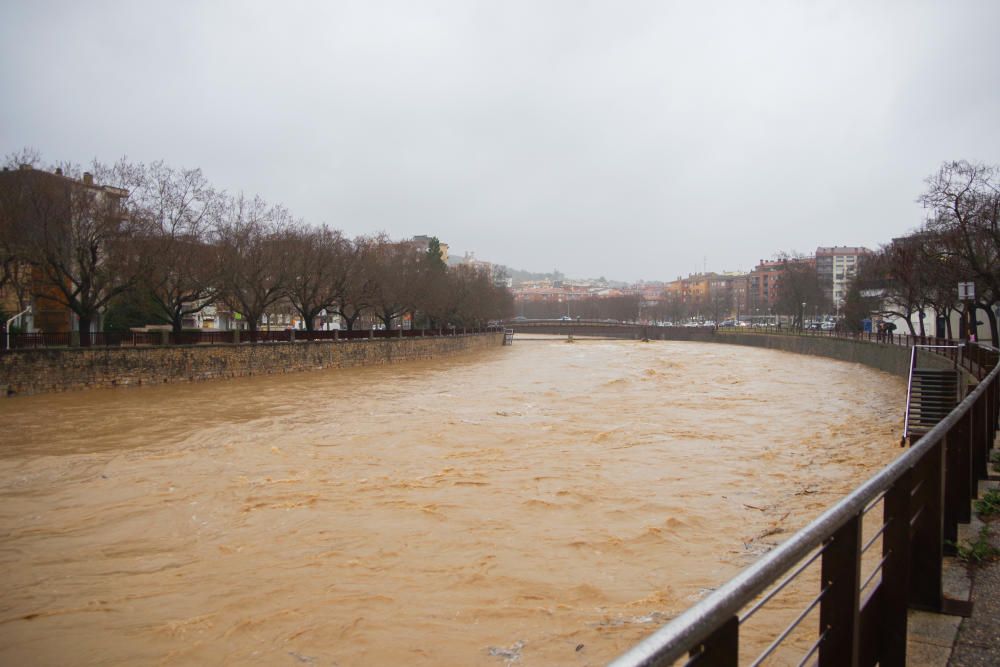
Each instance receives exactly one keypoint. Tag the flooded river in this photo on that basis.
(541, 504)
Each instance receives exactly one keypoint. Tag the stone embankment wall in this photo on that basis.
(41, 371)
(893, 359)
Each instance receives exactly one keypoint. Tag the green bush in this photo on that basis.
(989, 504)
(978, 551)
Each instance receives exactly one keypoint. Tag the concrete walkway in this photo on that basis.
(939, 640)
(978, 641)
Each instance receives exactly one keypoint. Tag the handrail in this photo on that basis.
(909, 382)
(909, 395)
(710, 615)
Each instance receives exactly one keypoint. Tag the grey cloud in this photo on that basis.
(624, 139)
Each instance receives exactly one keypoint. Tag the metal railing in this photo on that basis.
(909, 394)
(973, 357)
(924, 495)
(953, 351)
(22, 342)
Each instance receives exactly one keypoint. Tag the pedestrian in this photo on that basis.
(889, 329)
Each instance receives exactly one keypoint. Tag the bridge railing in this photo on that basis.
(873, 565)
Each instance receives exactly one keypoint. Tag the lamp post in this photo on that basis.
(802, 317)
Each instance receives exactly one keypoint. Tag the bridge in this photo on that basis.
(608, 330)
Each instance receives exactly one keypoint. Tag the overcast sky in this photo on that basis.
(626, 139)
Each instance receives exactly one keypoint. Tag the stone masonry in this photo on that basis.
(68, 369)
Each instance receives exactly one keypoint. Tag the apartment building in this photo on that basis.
(764, 282)
(43, 208)
(835, 267)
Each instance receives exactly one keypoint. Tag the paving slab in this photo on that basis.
(978, 641)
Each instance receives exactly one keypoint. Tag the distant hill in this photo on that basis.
(520, 276)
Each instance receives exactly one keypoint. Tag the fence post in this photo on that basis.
(928, 538)
(980, 453)
(838, 610)
(400, 332)
(964, 480)
(895, 585)
(955, 492)
(721, 648)
(236, 336)
(992, 392)
(371, 334)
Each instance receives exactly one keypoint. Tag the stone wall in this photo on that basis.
(48, 370)
(893, 359)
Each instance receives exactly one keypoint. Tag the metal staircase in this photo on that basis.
(931, 394)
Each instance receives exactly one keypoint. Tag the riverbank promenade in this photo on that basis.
(977, 643)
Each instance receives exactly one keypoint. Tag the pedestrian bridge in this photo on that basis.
(610, 330)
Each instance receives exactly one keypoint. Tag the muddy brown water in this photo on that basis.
(545, 503)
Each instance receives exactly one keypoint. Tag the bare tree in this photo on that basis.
(798, 289)
(964, 199)
(26, 157)
(942, 270)
(253, 256)
(183, 210)
(720, 301)
(80, 236)
(320, 261)
(395, 280)
(357, 296)
(907, 286)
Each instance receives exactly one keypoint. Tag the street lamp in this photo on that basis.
(802, 317)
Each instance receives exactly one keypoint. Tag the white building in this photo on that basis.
(836, 266)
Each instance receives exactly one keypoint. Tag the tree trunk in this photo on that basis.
(944, 313)
(992, 319)
(310, 319)
(84, 322)
(177, 323)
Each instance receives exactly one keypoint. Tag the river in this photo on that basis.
(542, 504)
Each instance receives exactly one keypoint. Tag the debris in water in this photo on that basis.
(512, 654)
(619, 620)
